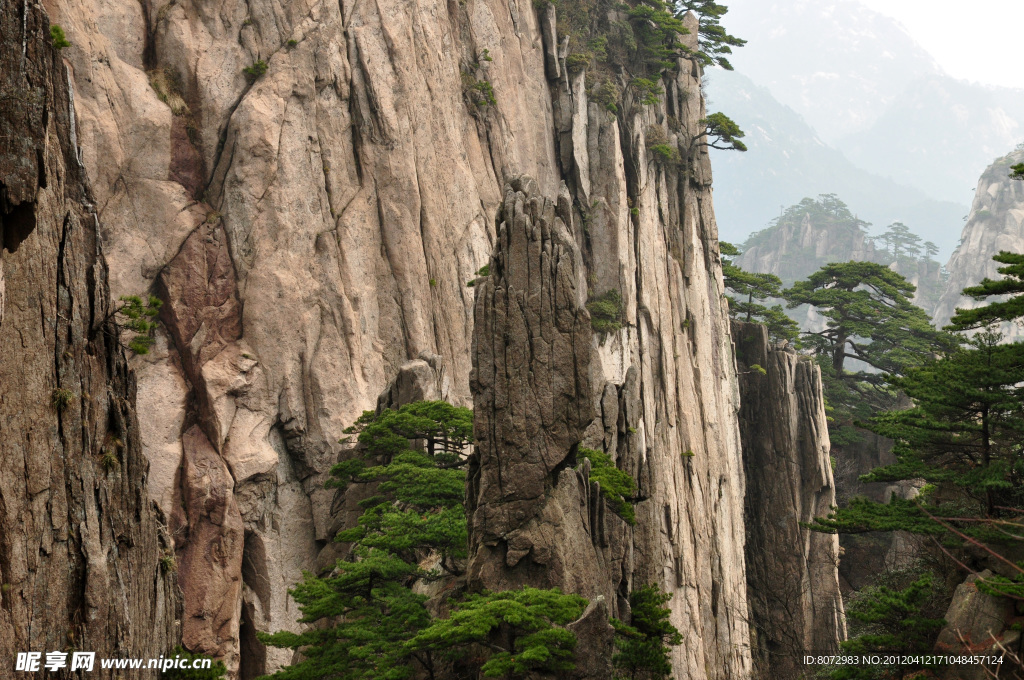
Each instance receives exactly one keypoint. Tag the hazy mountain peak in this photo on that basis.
(838, 63)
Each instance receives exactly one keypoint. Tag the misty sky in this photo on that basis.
(979, 41)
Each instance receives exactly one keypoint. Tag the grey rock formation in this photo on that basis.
(795, 248)
(792, 573)
(996, 223)
(527, 508)
(980, 624)
(85, 562)
(313, 228)
(309, 230)
(866, 555)
(803, 240)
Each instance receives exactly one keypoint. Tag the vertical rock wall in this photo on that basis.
(996, 223)
(85, 562)
(662, 387)
(792, 578)
(530, 513)
(309, 228)
(311, 225)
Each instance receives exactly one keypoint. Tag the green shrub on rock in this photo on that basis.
(606, 312)
(617, 487)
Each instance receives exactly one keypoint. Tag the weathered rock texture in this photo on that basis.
(792, 577)
(982, 625)
(793, 249)
(866, 555)
(535, 516)
(84, 560)
(529, 510)
(309, 230)
(798, 245)
(996, 223)
(312, 228)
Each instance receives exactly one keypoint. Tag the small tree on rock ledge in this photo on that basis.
(643, 644)
(719, 132)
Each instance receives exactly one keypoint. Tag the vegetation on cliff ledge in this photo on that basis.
(369, 621)
(956, 420)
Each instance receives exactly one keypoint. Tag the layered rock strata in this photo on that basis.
(85, 561)
(793, 585)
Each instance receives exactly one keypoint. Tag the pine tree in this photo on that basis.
(371, 613)
(901, 243)
(655, 34)
(418, 506)
(368, 623)
(996, 311)
(756, 287)
(1017, 171)
(365, 607)
(962, 436)
(718, 131)
(713, 42)
(518, 632)
(890, 620)
(869, 318)
(139, 317)
(643, 644)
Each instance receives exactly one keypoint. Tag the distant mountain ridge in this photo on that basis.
(788, 161)
(836, 62)
(939, 134)
(837, 98)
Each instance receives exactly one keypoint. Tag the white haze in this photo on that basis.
(978, 41)
(896, 105)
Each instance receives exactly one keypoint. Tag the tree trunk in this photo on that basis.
(839, 355)
(986, 458)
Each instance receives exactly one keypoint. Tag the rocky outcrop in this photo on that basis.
(308, 187)
(979, 624)
(85, 561)
(996, 223)
(792, 572)
(310, 226)
(796, 247)
(529, 509)
(814, 233)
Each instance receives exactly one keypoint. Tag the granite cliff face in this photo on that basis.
(302, 228)
(795, 604)
(800, 244)
(308, 187)
(85, 561)
(996, 223)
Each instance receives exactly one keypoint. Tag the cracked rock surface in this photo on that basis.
(996, 223)
(85, 561)
(793, 584)
(311, 226)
